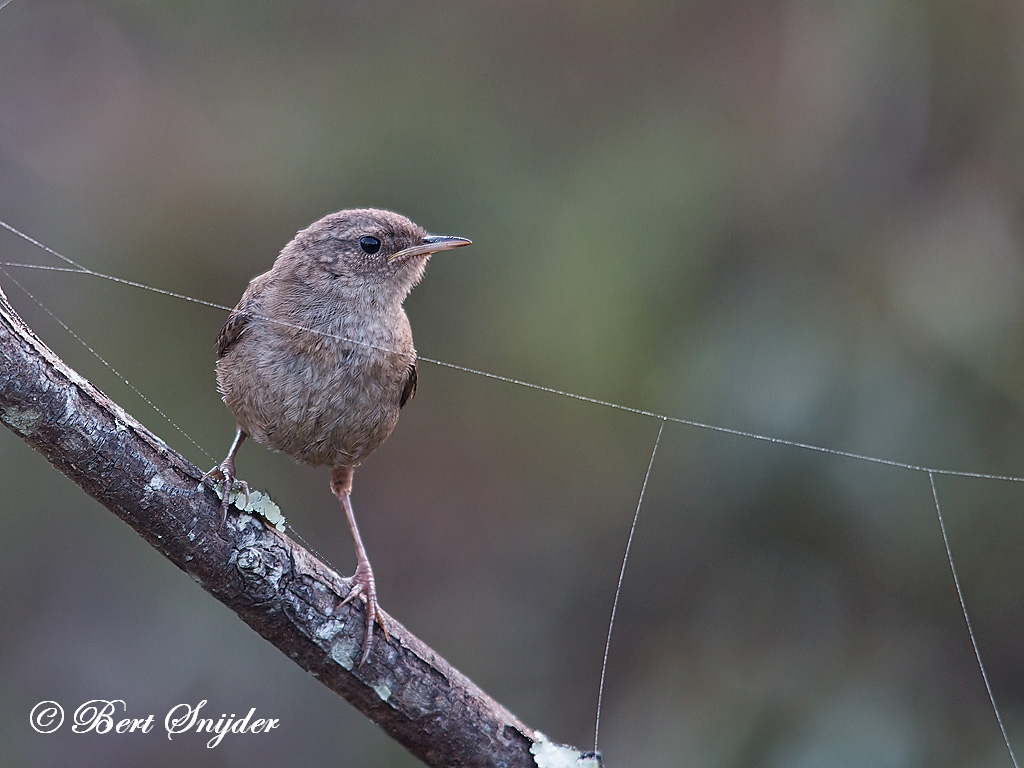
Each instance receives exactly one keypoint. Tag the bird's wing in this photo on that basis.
(231, 331)
(410, 385)
(239, 318)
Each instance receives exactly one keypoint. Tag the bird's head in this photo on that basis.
(372, 252)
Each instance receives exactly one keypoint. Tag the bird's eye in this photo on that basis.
(369, 244)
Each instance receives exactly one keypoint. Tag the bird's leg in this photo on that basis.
(225, 472)
(362, 580)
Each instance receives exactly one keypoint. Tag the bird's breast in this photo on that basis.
(328, 394)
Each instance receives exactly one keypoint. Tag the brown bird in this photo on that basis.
(317, 359)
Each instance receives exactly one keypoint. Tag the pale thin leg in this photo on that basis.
(225, 472)
(362, 580)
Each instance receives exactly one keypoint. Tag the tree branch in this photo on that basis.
(274, 585)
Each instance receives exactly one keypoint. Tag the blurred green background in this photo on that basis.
(797, 218)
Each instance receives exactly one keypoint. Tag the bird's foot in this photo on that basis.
(363, 585)
(225, 474)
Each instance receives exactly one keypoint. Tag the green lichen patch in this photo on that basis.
(256, 502)
(548, 754)
(24, 421)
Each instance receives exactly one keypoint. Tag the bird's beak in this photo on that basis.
(431, 244)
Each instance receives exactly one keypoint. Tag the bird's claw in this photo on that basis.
(224, 473)
(363, 585)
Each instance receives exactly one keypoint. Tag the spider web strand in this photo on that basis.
(967, 621)
(618, 586)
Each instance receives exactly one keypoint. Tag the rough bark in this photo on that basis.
(274, 585)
